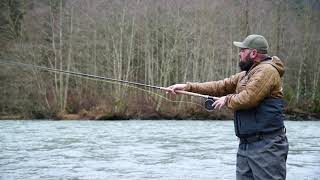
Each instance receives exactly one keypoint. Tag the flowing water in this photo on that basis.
(139, 149)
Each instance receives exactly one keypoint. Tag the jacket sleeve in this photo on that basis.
(258, 87)
(215, 88)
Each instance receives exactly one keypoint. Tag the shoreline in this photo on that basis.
(289, 116)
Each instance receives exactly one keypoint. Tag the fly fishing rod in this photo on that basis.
(208, 100)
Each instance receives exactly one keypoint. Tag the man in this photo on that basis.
(255, 95)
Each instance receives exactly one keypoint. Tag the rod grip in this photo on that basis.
(189, 93)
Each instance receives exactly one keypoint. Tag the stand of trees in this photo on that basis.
(155, 42)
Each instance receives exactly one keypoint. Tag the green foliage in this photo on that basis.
(316, 105)
(289, 93)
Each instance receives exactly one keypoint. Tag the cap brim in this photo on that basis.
(239, 44)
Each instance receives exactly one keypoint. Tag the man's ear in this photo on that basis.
(253, 53)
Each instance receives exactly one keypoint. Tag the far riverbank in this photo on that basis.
(292, 115)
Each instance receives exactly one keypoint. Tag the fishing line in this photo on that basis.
(208, 100)
(147, 91)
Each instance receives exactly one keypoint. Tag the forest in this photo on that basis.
(157, 42)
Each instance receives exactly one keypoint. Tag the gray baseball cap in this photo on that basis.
(254, 41)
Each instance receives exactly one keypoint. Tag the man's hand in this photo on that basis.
(173, 88)
(219, 103)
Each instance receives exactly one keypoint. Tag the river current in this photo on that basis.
(140, 149)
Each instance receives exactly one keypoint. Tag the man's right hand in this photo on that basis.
(173, 88)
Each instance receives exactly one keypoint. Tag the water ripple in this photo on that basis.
(139, 150)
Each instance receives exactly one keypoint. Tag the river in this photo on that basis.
(140, 149)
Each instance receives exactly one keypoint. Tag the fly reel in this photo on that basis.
(208, 102)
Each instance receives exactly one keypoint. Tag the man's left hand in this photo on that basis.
(219, 103)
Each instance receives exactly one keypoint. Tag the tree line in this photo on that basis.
(154, 42)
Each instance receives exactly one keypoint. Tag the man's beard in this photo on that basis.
(246, 65)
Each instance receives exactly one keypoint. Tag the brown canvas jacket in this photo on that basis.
(246, 89)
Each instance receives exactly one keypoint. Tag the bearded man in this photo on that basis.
(255, 95)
